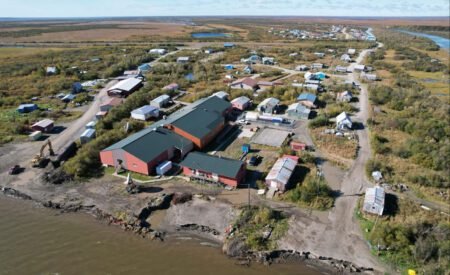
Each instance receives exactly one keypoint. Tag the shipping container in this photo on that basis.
(35, 135)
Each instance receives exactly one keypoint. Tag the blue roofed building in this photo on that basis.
(307, 99)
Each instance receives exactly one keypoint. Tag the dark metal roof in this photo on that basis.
(212, 164)
(149, 143)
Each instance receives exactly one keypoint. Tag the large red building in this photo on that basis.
(201, 166)
(194, 126)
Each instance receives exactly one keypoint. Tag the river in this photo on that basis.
(35, 240)
(442, 42)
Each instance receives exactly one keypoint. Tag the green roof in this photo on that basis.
(149, 143)
(212, 164)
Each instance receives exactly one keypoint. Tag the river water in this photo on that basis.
(439, 40)
(35, 240)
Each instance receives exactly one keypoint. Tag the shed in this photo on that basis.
(345, 57)
(374, 200)
(297, 146)
(229, 67)
(280, 174)
(301, 68)
(145, 112)
(205, 167)
(241, 103)
(317, 66)
(345, 96)
(228, 45)
(341, 69)
(158, 51)
(45, 125)
(68, 98)
(359, 67)
(268, 105)
(87, 136)
(91, 124)
(144, 68)
(51, 70)
(77, 87)
(351, 51)
(161, 101)
(296, 110)
(343, 121)
(268, 60)
(35, 135)
(27, 108)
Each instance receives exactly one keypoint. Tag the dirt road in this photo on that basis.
(338, 235)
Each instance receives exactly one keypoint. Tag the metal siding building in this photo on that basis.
(374, 200)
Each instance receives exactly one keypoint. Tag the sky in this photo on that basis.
(104, 8)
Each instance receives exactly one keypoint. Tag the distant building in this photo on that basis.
(359, 67)
(161, 101)
(268, 60)
(205, 167)
(51, 70)
(351, 51)
(317, 66)
(343, 121)
(307, 99)
(345, 96)
(302, 68)
(91, 124)
(87, 135)
(298, 111)
(228, 45)
(68, 98)
(125, 87)
(45, 126)
(241, 103)
(248, 70)
(27, 108)
(253, 59)
(345, 57)
(77, 88)
(281, 172)
(158, 51)
(229, 67)
(144, 68)
(145, 112)
(319, 54)
(183, 59)
(369, 77)
(268, 105)
(341, 69)
(171, 87)
(245, 83)
(108, 105)
(374, 200)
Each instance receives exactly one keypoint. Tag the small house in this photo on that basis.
(144, 68)
(268, 105)
(45, 125)
(317, 66)
(27, 108)
(307, 99)
(351, 51)
(345, 96)
(297, 146)
(101, 114)
(343, 121)
(241, 103)
(183, 59)
(158, 51)
(109, 104)
(222, 95)
(91, 124)
(377, 176)
(298, 111)
(245, 84)
(161, 101)
(209, 51)
(171, 87)
(125, 87)
(369, 77)
(309, 86)
(293, 54)
(208, 168)
(341, 69)
(145, 112)
(281, 172)
(77, 88)
(87, 135)
(345, 57)
(301, 68)
(252, 59)
(51, 70)
(268, 60)
(359, 67)
(68, 98)
(36, 135)
(374, 200)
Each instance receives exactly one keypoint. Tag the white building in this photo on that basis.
(222, 95)
(160, 101)
(183, 59)
(343, 121)
(158, 51)
(280, 173)
(87, 135)
(374, 200)
(145, 112)
(351, 51)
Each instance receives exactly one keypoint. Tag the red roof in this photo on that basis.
(113, 102)
(294, 158)
(246, 81)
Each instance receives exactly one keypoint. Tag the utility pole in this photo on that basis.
(248, 189)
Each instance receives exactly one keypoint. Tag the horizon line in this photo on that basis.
(249, 16)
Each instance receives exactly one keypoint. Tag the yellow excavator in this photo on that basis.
(40, 160)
